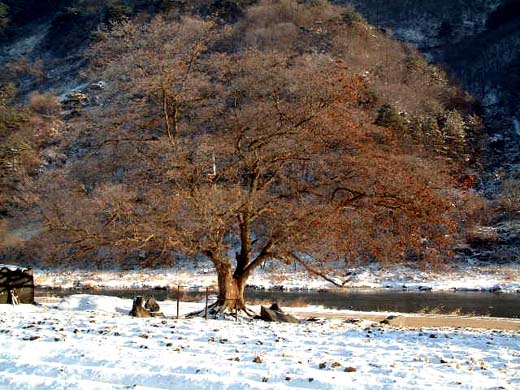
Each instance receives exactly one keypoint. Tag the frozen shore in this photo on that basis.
(468, 277)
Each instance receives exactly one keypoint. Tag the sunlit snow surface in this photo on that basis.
(88, 342)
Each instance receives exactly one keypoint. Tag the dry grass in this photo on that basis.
(282, 303)
(441, 309)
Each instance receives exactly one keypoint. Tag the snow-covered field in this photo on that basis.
(89, 342)
(463, 277)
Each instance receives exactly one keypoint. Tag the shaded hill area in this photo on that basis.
(479, 43)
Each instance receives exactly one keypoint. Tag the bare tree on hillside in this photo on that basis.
(154, 71)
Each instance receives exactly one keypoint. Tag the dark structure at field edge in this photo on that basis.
(16, 282)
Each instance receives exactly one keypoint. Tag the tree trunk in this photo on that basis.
(231, 291)
(232, 285)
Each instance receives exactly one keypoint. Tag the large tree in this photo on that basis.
(245, 155)
(297, 179)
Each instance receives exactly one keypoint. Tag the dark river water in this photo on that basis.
(472, 303)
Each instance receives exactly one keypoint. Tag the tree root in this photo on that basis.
(218, 310)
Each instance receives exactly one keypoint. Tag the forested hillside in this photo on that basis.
(478, 43)
(281, 130)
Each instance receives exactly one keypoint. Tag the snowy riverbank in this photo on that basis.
(88, 342)
(467, 277)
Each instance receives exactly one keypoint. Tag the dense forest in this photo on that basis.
(245, 133)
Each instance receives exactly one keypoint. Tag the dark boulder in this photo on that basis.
(152, 305)
(275, 314)
(138, 308)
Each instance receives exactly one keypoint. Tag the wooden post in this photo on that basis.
(178, 299)
(206, 308)
(236, 310)
(13, 297)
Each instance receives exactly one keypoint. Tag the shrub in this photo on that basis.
(66, 18)
(11, 118)
(426, 129)
(117, 13)
(7, 92)
(270, 13)
(352, 17)
(415, 62)
(371, 98)
(454, 129)
(25, 70)
(166, 5)
(510, 194)
(280, 36)
(44, 104)
(388, 116)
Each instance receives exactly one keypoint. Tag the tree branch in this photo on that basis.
(264, 254)
(317, 272)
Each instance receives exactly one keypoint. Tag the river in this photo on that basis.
(463, 303)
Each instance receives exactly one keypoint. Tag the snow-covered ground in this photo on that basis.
(463, 277)
(89, 342)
